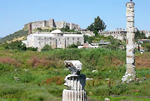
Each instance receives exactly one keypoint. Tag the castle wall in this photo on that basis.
(121, 35)
(52, 24)
(58, 24)
(37, 24)
(47, 23)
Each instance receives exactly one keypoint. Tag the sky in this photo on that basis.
(15, 13)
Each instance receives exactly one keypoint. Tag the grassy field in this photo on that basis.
(39, 76)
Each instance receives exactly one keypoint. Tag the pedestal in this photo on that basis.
(71, 95)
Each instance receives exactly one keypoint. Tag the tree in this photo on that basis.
(46, 48)
(88, 39)
(146, 46)
(18, 45)
(97, 25)
(114, 43)
(139, 35)
(96, 33)
(65, 29)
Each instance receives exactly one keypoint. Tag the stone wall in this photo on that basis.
(121, 35)
(52, 24)
(38, 24)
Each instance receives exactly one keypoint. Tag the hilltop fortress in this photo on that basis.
(51, 24)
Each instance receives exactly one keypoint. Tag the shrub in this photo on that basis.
(73, 46)
(15, 45)
(26, 77)
(32, 49)
(46, 48)
(58, 80)
(119, 89)
(9, 61)
(146, 46)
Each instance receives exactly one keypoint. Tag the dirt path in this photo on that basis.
(143, 60)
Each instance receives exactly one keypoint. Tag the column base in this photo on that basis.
(128, 77)
(71, 95)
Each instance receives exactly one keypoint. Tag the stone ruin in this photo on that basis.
(75, 82)
(130, 74)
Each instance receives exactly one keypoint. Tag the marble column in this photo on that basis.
(75, 82)
(130, 74)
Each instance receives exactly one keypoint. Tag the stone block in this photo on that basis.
(130, 35)
(130, 19)
(130, 41)
(130, 60)
(130, 24)
(69, 95)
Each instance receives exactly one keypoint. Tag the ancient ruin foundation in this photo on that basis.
(130, 74)
(75, 82)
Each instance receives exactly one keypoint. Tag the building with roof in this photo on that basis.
(56, 39)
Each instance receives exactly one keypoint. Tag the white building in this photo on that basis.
(56, 39)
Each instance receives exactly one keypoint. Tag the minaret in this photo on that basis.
(130, 74)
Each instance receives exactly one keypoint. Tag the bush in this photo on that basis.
(46, 48)
(73, 46)
(119, 89)
(27, 77)
(146, 46)
(18, 45)
(32, 49)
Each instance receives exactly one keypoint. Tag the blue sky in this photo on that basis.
(15, 13)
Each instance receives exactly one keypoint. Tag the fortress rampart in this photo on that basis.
(52, 24)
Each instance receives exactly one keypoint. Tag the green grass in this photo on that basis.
(41, 75)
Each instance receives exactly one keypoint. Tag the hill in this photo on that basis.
(15, 36)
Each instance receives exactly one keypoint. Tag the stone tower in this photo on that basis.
(71, 26)
(44, 23)
(51, 23)
(130, 74)
(30, 29)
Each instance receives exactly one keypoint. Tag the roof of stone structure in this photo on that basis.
(56, 31)
(73, 35)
